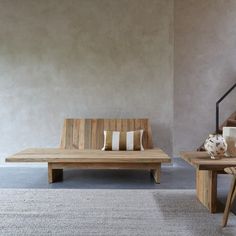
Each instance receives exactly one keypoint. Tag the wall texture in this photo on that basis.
(204, 67)
(109, 58)
(83, 58)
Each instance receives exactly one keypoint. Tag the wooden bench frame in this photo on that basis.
(55, 170)
(86, 138)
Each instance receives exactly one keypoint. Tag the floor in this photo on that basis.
(107, 212)
(179, 176)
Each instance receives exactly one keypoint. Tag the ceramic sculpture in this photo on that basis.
(215, 145)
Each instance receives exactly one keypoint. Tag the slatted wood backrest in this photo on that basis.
(88, 133)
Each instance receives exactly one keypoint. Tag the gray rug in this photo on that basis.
(107, 212)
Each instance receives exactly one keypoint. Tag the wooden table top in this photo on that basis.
(202, 161)
(57, 155)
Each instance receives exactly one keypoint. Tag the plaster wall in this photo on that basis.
(83, 58)
(204, 67)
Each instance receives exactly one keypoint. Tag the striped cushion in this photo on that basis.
(121, 140)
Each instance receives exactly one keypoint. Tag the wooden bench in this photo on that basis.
(81, 143)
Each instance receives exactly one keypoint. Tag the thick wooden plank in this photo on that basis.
(206, 188)
(131, 124)
(107, 124)
(156, 174)
(202, 161)
(112, 124)
(76, 134)
(67, 134)
(113, 166)
(124, 125)
(54, 175)
(96, 156)
(99, 138)
(94, 139)
(190, 156)
(88, 133)
(119, 124)
(137, 124)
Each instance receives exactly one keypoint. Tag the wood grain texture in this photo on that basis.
(81, 143)
(202, 161)
(54, 174)
(206, 188)
(156, 174)
(88, 133)
(206, 176)
(112, 166)
(91, 156)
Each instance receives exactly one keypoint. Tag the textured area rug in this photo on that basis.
(107, 212)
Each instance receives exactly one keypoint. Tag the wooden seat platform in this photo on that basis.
(59, 159)
(81, 144)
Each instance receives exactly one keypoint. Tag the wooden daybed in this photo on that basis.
(81, 143)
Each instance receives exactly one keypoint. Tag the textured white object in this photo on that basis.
(229, 134)
(215, 145)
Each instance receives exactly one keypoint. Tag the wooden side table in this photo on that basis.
(206, 176)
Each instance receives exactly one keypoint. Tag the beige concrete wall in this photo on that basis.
(204, 65)
(108, 58)
(83, 58)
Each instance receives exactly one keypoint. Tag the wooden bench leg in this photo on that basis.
(230, 199)
(156, 174)
(206, 187)
(54, 175)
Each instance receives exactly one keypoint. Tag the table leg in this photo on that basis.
(156, 174)
(54, 175)
(229, 202)
(206, 187)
